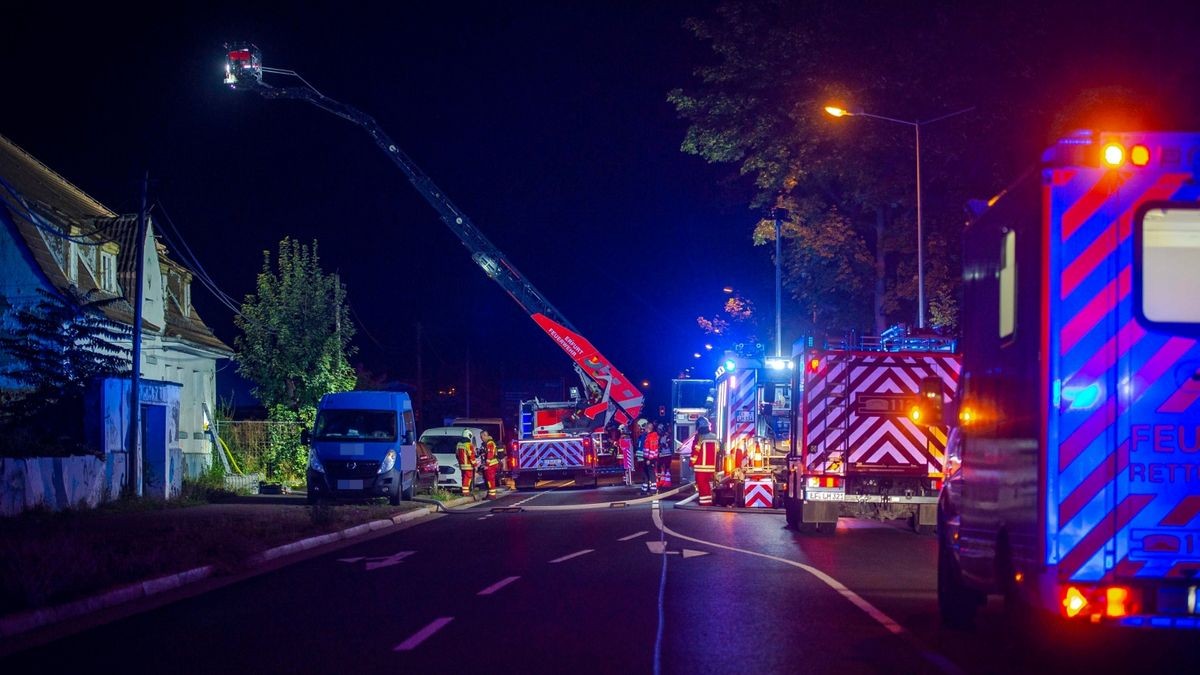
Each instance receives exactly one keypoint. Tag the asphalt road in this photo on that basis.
(639, 588)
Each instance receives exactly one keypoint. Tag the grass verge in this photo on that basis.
(50, 558)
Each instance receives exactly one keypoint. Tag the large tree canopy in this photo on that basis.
(296, 331)
(849, 183)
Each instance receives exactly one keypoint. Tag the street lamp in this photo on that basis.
(916, 125)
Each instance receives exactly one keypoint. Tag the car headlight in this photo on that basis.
(314, 462)
(389, 462)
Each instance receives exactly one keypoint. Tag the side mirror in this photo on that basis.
(305, 437)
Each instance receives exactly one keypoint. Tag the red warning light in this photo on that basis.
(814, 364)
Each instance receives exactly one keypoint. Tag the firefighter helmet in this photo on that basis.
(642, 423)
(703, 426)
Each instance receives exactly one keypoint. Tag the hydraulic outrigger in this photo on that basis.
(611, 394)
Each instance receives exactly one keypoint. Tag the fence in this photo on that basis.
(272, 449)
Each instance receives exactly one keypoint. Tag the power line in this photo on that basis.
(180, 244)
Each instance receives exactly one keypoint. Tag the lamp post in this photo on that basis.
(916, 125)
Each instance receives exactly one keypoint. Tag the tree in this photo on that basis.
(296, 331)
(57, 347)
(849, 185)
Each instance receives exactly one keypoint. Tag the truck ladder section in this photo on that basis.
(614, 394)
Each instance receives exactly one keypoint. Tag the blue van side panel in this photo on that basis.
(1108, 514)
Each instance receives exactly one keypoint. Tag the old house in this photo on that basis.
(54, 236)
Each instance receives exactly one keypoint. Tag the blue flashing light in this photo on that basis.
(1083, 398)
(730, 365)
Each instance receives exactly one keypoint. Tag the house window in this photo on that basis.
(1168, 246)
(108, 272)
(1008, 284)
(187, 298)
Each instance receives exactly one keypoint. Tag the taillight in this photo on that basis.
(1097, 602)
(935, 484)
(825, 481)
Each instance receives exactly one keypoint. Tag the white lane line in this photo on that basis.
(529, 499)
(576, 554)
(422, 635)
(857, 600)
(497, 586)
(635, 535)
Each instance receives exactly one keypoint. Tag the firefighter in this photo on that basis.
(466, 463)
(650, 448)
(491, 463)
(626, 446)
(638, 436)
(666, 453)
(705, 449)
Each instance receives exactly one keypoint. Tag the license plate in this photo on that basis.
(350, 485)
(815, 496)
(552, 462)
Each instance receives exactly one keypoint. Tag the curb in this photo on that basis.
(23, 622)
(728, 509)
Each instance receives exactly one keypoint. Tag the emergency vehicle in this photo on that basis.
(1074, 471)
(753, 423)
(691, 399)
(862, 449)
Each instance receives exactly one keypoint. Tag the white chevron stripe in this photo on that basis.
(886, 451)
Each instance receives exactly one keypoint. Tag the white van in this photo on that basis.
(442, 442)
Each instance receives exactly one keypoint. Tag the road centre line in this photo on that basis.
(497, 586)
(635, 535)
(857, 600)
(573, 555)
(422, 635)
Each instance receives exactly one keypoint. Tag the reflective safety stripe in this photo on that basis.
(705, 467)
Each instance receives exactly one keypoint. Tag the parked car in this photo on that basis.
(443, 443)
(363, 444)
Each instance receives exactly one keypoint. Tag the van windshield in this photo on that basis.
(339, 425)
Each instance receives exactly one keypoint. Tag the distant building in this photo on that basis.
(99, 253)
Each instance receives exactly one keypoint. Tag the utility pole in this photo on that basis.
(778, 215)
(134, 471)
(420, 376)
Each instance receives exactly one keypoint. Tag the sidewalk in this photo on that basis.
(55, 566)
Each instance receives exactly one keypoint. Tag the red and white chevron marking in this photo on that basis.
(550, 454)
(833, 423)
(743, 397)
(758, 494)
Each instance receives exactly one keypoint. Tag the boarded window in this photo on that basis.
(1008, 284)
(1169, 267)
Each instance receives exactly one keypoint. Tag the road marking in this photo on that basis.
(634, 535)
(423, 634)
(660, 548)
(497, 586)
(576, 554)
(857, 600)
(387, 560)
(604, 505)
(350, 560)
(529, 499)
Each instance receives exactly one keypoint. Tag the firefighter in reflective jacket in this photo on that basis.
(704, 460)
(466, 463)
(491, 464)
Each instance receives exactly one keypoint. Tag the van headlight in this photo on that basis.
(389, 462)
(314, 462)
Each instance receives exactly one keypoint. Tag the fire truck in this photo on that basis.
(1074, 469)
(753, 422)
(561, 447)
(861, 448)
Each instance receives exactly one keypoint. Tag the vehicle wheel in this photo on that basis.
(407, 494)
(394, 495)
(790, 513)
(955, 601)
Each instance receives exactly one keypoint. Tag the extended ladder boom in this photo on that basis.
(614, 395)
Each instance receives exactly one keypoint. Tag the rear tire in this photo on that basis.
(956, 602)
(407, 494)
(790, 513)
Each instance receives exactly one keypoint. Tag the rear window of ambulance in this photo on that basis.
(1169, 266)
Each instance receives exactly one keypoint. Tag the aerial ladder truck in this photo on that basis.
(555, 439)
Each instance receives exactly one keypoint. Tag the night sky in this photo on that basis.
(546, 122)
(548, 125)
